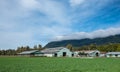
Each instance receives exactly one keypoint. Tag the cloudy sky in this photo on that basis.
(31, 22)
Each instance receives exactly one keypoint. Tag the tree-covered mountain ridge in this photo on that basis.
(86, 41)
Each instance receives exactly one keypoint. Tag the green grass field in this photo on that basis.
(40, 64)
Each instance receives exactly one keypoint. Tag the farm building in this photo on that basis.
(57, 52)
(89, 53)
(31, 53)
(102, 54)
(113, 54)
(76, 53)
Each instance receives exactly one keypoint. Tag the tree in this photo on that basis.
(85, 47)
(22, 49)
(0, 52)
(35, 47)
(27, 48)
(69, 46)
(92, 46)
(18, 50)
(39, 47)
(118, 47)
(3, 52)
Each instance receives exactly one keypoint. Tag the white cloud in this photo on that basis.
(76, 2)
(24, 8)
(29, 3)
(54, 11)
(55, 30)
(91, 35)
(18, 24)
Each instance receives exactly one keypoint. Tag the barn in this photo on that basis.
(89, 53)
(113, 54)
(57, 52)
(31, 53)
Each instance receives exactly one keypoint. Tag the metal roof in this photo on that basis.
(113, 53)
(52, 50)
(28, 52)
(89, 51)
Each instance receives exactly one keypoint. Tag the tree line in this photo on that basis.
(110, 47)
(20, 49)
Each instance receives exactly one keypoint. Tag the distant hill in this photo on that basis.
(81, 42)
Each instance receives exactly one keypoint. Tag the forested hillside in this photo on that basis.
(82, 42)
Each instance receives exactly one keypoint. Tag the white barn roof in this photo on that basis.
(28, 52)
(52, 50)
(89, 51)
(113, 53)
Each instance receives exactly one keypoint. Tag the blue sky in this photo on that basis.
(31, 22)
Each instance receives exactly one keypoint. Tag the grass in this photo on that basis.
(41, 64)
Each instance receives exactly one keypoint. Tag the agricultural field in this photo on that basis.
(41, 64)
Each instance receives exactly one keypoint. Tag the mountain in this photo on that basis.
(81, 42)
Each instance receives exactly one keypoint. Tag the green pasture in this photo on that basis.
(41, 64)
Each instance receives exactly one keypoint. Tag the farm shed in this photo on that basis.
(31, 53)
(102, 54)
(57, 52)
(113, 54)
(90, 53)
(76, 53)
